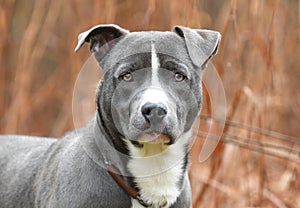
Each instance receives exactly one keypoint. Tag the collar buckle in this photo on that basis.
(131, 191)
(142, 202)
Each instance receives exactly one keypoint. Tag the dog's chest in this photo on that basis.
(158, 176)
(160, 190)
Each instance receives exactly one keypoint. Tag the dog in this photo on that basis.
(134, 152)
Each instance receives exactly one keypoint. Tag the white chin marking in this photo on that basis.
(154, 139)
(157, 170)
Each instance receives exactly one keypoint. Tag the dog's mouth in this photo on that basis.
(150, 144)
(153, 138)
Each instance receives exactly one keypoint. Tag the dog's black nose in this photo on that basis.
(154, 112)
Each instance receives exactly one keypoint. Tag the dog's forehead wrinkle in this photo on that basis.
(120, 68)
(163, 41)
(132, 63)
(133, 44)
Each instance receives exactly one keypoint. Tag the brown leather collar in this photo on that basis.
(131, 191)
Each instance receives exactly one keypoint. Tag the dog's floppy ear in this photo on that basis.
(99, 37)
(201, 44)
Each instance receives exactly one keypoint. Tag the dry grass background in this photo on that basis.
(257, 164)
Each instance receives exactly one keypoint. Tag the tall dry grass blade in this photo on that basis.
(261, 147)
(6, 13)
(257, 130)
(24, 73)
(43, 41)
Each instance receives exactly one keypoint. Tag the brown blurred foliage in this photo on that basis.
(257, 162)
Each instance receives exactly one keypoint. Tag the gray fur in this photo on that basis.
(71, 171)
(39, 172)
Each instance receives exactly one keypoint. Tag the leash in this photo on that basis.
(134, 193)
(115, 173)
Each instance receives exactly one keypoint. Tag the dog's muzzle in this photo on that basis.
(153, 117)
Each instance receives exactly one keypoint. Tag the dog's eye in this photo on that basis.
(179, 77)
(127, 77)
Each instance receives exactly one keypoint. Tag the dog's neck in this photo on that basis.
(105, 129)
(159, 172)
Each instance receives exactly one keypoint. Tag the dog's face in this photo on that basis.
(156, 97)
(151, 93)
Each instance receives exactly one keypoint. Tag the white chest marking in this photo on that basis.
(154, 66)
(158, 174)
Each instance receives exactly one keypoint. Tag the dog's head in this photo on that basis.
(151, 92)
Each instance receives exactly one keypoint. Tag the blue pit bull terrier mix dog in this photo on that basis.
(134, 152)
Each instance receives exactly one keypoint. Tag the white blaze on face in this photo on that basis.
(155, 93)
(154, 66)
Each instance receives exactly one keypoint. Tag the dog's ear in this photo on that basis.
(201, 44)
(100, 38)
